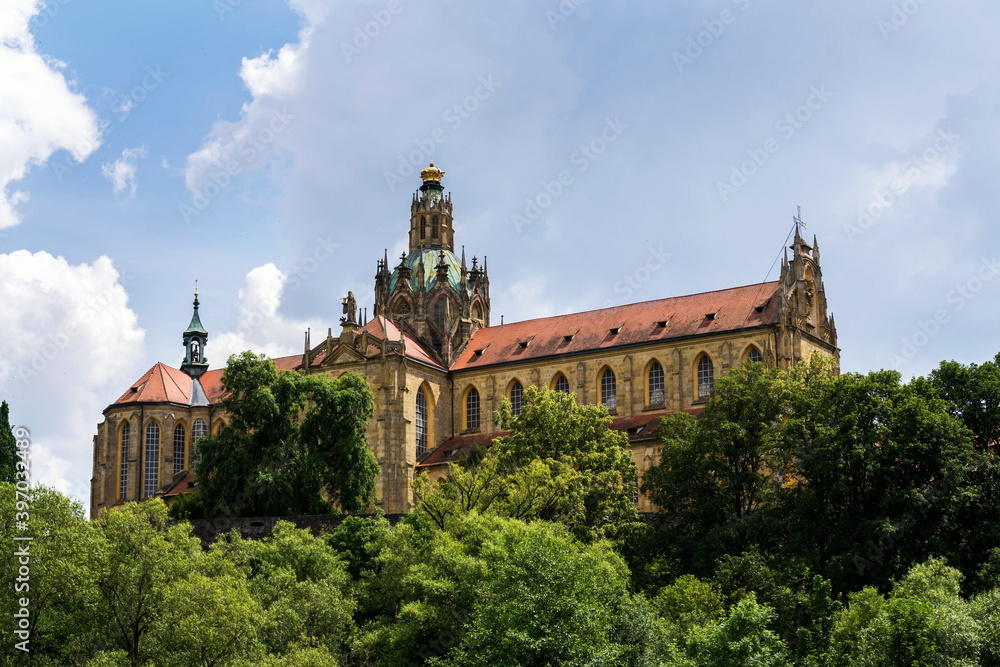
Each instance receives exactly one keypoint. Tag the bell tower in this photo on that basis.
(804, 323)
(430, 214)
(195, 338)
(432, 291)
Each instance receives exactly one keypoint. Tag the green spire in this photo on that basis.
(195, 338)
(196, 325)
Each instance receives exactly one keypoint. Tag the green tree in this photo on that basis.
(300, 585)
(547, 600)
(59, 580)
(877, 461)
(295, 444)
(142, 558)
(973, 394)
(716, 472)
(589, 463)
(924, 622)
(742, 638)
(8, 446)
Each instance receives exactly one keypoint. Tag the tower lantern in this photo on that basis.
(195, 338)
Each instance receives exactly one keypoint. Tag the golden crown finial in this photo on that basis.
(196, 288)
(431, 173)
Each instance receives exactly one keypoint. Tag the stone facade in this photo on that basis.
(430, 345)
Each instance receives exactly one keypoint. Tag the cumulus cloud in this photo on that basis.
(233, 148)
(261, 327)
(68, 340)
(121, 172)
(39, 114)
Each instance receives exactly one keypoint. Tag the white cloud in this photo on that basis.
(68, 340)
(39, 114)
(121, 172)
(235, 147)
(261, 327)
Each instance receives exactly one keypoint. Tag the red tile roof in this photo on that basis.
(160, 384)
(184, 484)
(211, 382)
(379, 328)
(692, 315)
(383, 327)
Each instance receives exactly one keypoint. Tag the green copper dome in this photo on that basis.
(431, 258)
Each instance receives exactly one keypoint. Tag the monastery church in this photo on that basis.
(438, 369)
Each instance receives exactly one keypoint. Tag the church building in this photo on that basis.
(439, 368)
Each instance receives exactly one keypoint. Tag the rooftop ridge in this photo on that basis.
(632, 304)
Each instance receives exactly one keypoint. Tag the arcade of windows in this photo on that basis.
(151, 471)
(607, 387)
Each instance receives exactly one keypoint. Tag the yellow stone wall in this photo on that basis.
(105, 485)
(394, 383)
(630, 366)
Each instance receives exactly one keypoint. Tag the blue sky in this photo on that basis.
(265, 149)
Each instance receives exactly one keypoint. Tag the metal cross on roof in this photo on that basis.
(799, 225)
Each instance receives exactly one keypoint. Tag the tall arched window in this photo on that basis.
(472, 409)
(440, 308)
(706, 376)
(656, 384)
(755, 356)
(423, 228)
(421, 422)
(152, 460)
(435, 227)
(179, 442)
(126, 438)
(516, 398)
(562, 384)
(199, 430)
(609, 390)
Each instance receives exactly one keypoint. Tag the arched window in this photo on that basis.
(152, 460)
(421, 422)
(423, 228)
(126, 438)
(178, 448)
(477, 312)
(656, 384)
(755, 356)
(199, 430)
(472, 409)
(562, 384)
(435, 227)
(440, 307)
(706, 376)
(609, 390)
(516, 398)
